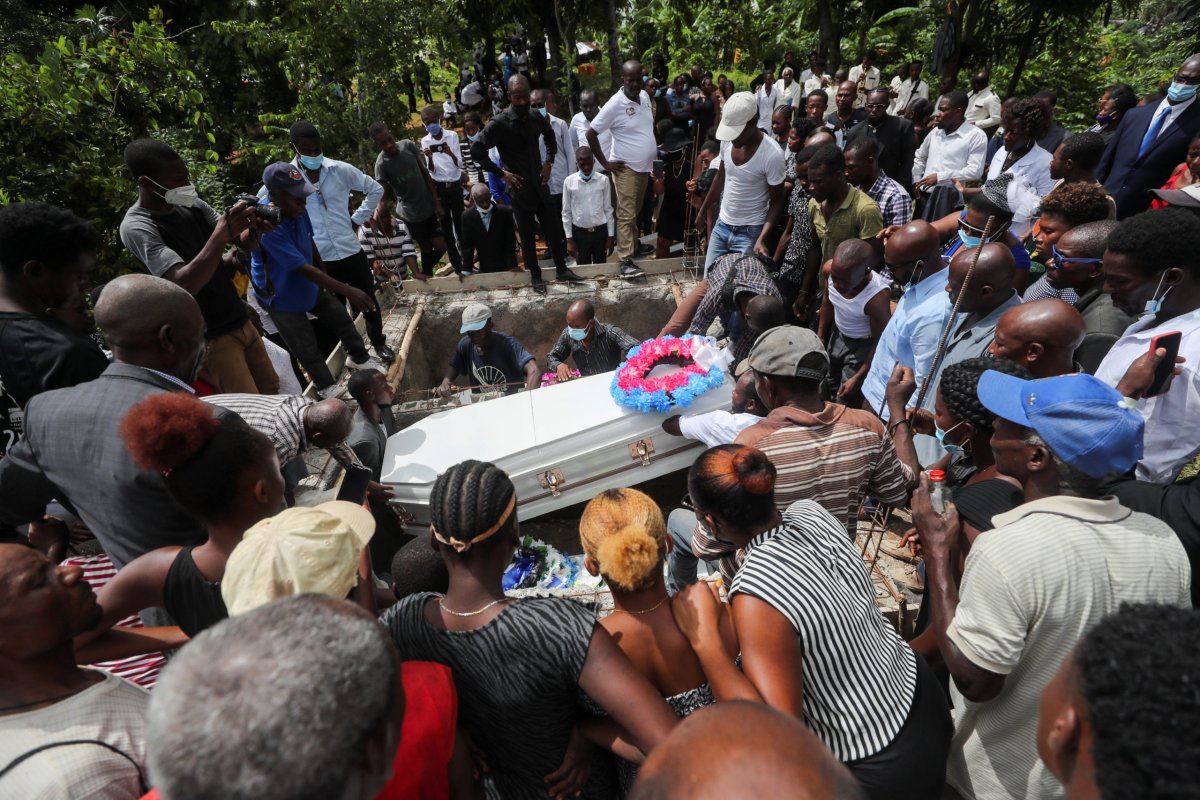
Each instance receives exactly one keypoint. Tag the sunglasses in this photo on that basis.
(970, 229)
(1059, 259)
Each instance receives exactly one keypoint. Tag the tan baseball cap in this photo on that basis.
(297, 551)
(474, 317)
(780, 350)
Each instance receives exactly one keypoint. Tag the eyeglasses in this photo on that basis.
(969, 229)
(1059, 259)
(875, 105)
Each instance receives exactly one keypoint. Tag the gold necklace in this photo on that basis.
(645, 610)
(442, 605)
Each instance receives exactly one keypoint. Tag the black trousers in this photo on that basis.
(356, 271)
(301, 341)
(591, 244)
(532, 207)
(423, 232)
(451, 221)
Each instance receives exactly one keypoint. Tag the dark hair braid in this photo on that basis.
(959, 386)
(468, 498)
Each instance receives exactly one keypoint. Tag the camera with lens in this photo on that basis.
(269, 214)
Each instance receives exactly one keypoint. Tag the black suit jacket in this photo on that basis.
(1129, 178)
(495, 246)
(897, 144)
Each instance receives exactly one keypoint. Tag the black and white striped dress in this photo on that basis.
(517, 679)
(859, 675)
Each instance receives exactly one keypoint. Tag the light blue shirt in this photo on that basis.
(911, 337)
(329, 207)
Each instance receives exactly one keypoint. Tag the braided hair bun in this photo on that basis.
(755, 473)
(625, 535)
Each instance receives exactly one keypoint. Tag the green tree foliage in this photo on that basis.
(67, 114)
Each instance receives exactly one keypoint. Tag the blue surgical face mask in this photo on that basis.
(487, 212)
(941, 435)
(578, 334)
(1154, 304)
(586, 176)
(434, 129)
(474, 137)
(969, 241)
(312, 162)
(1180, 92)
(542, 111)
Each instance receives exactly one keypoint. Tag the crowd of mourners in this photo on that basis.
(934, 300)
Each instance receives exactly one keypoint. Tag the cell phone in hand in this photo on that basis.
(1166, 368)
(354, 485)
(658, 166)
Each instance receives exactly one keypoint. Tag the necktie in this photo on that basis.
(1152, 134)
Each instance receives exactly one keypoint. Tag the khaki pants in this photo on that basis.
(631, 191)
(239, 363)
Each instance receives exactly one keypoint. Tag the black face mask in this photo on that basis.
(521, 111)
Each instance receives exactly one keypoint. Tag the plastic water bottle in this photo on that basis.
(939, 495)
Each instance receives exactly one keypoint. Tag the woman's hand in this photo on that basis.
(572, 775)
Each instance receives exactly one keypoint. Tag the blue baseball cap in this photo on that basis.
(282, 176)
(1083, 419)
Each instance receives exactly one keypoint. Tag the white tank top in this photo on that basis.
(851, 315)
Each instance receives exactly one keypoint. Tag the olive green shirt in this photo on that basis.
(856, 218)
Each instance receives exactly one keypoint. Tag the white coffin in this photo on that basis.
(572, 434)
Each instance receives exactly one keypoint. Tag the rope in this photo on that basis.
(940, 353)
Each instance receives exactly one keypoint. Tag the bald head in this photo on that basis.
(851, 261)
(327, 423)
(1041, 335)
(915, 245)
(991, 279)
(580, 313)
(1088, 240)
(482, 195)
(741, 749)
(819, 139)
(152, 322)
(764, 312)
(518, 81)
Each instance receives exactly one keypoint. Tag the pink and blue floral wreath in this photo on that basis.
(632, 389)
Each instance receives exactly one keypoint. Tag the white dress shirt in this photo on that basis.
(960, 154)
(564, 159)
(447, 168)
(766, 105)
(814, 83)
(586, 204)
(983, 108)
(1176, 110)
(1172, 435)
(906, 92)
(578, 137)
(793, 93)
(870, 83)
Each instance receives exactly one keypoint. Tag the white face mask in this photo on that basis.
(182, 196)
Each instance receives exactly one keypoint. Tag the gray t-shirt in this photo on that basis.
(163, 239)
(404, 175)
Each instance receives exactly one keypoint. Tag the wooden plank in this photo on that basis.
(520, 280)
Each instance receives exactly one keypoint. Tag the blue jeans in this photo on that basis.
(681, 563)
(726, 239)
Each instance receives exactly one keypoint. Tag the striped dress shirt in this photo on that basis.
(859, 676)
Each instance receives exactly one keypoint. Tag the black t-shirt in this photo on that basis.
(38, 354)
(504, 362)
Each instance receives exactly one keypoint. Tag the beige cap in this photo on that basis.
(739, 109)
(780, 350)
(297, 551)
(474, 317)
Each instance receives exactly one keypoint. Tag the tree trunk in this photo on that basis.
(866, 17)
(1026, 49)
(614, 51)
(829, 35)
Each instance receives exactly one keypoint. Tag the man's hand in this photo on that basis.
(379, 493)
(358, 298)
(513, 180)
(609, 245)
(927, 183)
(760, 249)
(50, 536)
(887, 232)
(1138, 379)
(900, 386)
(958, 184)
(572, 250)
(800, 307)
(696, 611)
(562, 373)
(939, 534)
(850, 385)
(445, 388)
(922, 421)
(614, 166)
(237, 220)
(547, 168)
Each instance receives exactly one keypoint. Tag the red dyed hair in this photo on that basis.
(168, 430)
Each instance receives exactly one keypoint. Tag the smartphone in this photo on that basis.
(1166, 368)
(658, 166)
(354, 485)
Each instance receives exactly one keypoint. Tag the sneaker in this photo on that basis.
(370, 363)
(386, 354)
(567, 275)
(331, 391)
(645, 249)
(629, 270)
